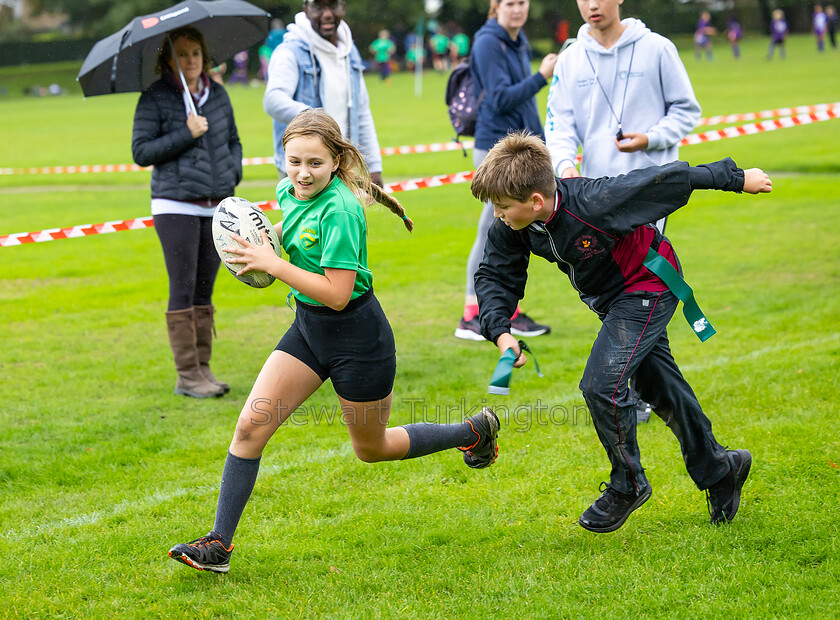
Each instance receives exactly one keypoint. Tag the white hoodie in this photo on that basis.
(334, 85)
(335, 68)
(660, 102)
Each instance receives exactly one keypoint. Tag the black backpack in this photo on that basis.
(462, 100)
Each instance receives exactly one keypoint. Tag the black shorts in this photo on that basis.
(353, 347)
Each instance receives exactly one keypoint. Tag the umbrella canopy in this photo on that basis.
(124, 62)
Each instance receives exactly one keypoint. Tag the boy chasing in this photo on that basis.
(595, 231)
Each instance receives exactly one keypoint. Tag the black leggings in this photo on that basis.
(191, 258)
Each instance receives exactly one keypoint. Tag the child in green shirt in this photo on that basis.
(439, 44)
(340, 331)
(382, 49)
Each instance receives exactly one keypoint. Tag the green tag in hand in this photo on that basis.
(500, 381)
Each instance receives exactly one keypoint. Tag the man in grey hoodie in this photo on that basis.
(622, 92)
(319, 66)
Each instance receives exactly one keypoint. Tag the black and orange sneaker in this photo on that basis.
(724, 496)
(205, 553)
(484, 451)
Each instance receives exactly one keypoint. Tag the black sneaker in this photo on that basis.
(205, 553)
(484, 451)
(524, 326)
(643, 411)
(469, 330)
(610, 511)
(724, 496)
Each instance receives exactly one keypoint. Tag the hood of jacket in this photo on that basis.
(634, 30)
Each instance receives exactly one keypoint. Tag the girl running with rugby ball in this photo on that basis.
(340, 331)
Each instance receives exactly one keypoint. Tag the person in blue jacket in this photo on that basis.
(500, 63)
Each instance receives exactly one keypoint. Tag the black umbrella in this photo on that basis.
(124, 62)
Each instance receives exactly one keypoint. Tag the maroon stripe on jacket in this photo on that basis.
(629, 254)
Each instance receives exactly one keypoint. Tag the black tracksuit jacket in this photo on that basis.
(598, 236)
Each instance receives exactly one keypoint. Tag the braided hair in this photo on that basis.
(352, 169)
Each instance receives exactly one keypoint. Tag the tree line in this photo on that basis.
(99, 18)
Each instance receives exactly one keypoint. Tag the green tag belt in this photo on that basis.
(674, 281)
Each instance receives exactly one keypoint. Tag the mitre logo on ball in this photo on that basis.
(237, 216)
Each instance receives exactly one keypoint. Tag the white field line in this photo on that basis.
(322, 456)
(144, 504)
(725, 360)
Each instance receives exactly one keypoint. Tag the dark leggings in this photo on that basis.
(191, 259)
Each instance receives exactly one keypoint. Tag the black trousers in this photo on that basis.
(633, 342)
(191, 258)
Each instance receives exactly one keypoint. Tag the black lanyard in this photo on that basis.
(618, 135)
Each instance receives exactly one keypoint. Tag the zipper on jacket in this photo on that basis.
(212, 157)
(541, 227)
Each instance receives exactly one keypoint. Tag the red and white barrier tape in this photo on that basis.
(753, 116)
(435, 147)
(401, 186)
(74, 169)
(763, 126)
(85, 230)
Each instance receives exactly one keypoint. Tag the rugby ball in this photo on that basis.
(237, 216)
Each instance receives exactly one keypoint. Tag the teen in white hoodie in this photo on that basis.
(591, 98)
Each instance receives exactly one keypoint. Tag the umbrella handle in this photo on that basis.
(181, 74)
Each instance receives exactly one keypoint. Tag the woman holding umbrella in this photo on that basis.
(189, 136)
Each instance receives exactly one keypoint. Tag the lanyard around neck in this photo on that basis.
(626, 83)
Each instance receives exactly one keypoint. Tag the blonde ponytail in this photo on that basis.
(387, 200)
(352, 169)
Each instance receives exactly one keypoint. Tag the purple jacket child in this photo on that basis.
(778, 32)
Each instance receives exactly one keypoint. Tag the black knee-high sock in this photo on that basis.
(427, 438)
(238, 480)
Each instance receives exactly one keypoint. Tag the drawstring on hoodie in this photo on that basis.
(304, 30)
(619, 135)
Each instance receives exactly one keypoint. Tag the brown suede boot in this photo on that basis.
(181, 327)
(205, 329)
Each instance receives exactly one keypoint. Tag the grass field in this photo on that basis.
(102, 469)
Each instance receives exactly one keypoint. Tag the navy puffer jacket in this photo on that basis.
(185, 168)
